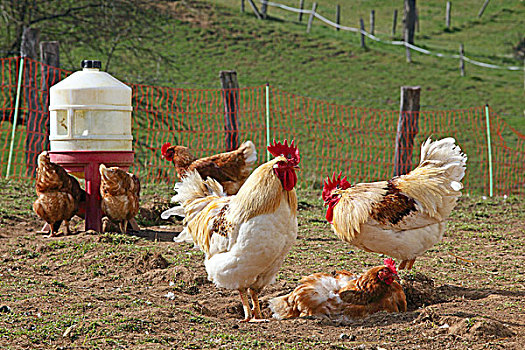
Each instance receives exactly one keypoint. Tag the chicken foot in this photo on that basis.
(54, 229)
(257, 316)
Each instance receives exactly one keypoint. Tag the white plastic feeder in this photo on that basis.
(90, 111)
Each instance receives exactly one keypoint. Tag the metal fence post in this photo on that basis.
(267, 120)
(15, 118)
(489, 149)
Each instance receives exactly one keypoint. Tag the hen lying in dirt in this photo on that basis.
(344, 295)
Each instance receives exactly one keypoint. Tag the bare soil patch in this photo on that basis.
(143, 291)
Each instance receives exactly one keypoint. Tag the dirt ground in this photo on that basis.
(110, 291)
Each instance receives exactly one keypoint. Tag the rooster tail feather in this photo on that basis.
(447, 155)
(249, 152)
(184, 237)
(193, 187)
(178, 210)
(436, 182)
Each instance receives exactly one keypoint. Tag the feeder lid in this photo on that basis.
(91, 64)
(89, 86)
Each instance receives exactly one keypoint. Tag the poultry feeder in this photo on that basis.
(90, 124)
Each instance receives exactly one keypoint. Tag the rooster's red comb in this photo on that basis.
(164, 148)
(391, 264)
(334, 182)
(283, 149)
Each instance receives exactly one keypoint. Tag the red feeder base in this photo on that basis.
(85, 164)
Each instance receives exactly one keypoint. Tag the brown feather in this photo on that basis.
(393, 207)
(230, 169)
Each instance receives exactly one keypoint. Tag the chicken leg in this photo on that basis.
(257, 316)
(407, 264)
(245, 305)
(123, 225)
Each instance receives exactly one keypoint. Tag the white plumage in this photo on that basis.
(245, 237)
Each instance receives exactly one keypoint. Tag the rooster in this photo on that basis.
(120, 193)
(402, 217)
(230, 169)
(60, 196)
(245, 237)
(343, 295)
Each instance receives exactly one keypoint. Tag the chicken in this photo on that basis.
(343, 295)
(120, 193)
(60, 196)
(230, 169)
(402, 217)
(245, 237)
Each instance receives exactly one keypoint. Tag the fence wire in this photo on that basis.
(389, 42)
(359, 142)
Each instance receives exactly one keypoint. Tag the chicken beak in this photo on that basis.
(296, 167)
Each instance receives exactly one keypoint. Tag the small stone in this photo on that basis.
(344, 336)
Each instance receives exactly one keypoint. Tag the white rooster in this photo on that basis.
(245, 237)
(402, 217)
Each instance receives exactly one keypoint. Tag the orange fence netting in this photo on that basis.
(359, 142)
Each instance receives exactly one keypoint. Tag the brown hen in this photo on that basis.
(230, 169)
(343, 296)
(59, 195)
(120, 193)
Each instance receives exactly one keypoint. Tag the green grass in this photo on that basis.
(330, 64)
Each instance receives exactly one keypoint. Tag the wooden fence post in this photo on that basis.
(447, 15)
(338, 16)
(50, 58)
(29, 49)
(311, 18)
(417, 20)
(230, 96)
(372, 21)
(410, 21)
(301, 6)
(461, 61)
(394, 23)
(480, 13)
(264, 10)
(255, 10)
(407, 128)
(362, 26)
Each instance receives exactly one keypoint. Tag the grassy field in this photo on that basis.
(200, 38)
(108, 291)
